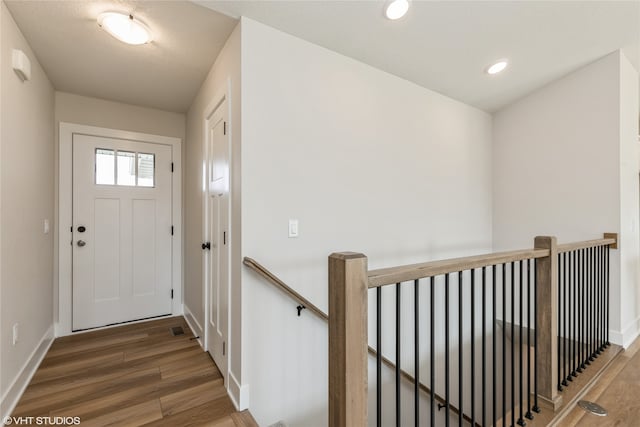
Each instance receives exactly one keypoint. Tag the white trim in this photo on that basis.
(21, 381)
(239, 393)
(221, 95)
(63, 326)
(628, 335)
(195, 326)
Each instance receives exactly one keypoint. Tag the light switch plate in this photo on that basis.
(293, 228)
(46, 226)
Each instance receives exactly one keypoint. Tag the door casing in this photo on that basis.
(221, 97)
(62, 233)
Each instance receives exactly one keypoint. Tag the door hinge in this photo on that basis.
(171, 293)
(72, 229)
(224, 347)
(172, 230)
(171, 166)
(224, 128)
(224, 237)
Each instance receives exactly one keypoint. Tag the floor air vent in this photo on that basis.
(176, 330)
(593, 408)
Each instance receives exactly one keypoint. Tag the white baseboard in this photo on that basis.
(630, 333)
(239, 393)
(194, 325)
(21, 381)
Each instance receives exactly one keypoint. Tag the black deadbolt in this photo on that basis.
(82, 229)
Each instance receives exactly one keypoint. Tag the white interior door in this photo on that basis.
(217, 234)
(121, 232)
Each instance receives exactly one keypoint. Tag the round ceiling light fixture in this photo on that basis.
(125, 28)
(396, 9)
(498, 67)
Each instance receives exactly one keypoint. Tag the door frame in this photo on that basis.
(221, 95)
(63, 234)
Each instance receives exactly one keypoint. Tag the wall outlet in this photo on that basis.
(15, 333)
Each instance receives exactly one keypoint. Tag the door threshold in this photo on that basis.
(126, 322)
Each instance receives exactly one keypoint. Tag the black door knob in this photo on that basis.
(206, 246)
(82, 229)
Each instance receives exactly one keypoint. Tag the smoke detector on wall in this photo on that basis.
(21, 64)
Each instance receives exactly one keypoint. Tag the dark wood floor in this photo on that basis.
(133, 375)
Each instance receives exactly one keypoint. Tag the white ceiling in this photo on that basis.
(80, 58)
(446, 45)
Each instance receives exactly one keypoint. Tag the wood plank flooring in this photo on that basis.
(132, 375)
(617, 390)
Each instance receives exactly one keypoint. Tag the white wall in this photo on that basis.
(26, 176)
(116, 115)
(225, 70)
(366, 162)
(557, 157)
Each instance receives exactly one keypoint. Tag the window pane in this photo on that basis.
(146, 164)
(126, 168)
(104, 167)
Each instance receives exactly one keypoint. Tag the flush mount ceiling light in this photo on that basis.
(125, 28)
(396, 9)
(497, 67)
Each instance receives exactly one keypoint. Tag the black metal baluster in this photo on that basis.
(570, 313)
(398, 361)
(599, 300)
(564, 320)
(460, 352)
(379, 356)
(484, 346)
(521, 419)
(559, 322)
(579, 296)
(416, 352)
(601, 291)
(494, 328)
(606, 278)
(585, 308)
(568, 338)
(574, 362)
(473, 351)
(528, 415)
(432, 355)
(536, 408)
(513, 346)
(446, 346)
(593, 303)
(504, 343)
(590, 338)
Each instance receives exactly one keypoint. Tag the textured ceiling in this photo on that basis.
(446, 45)
(80, 58)
(442, 45)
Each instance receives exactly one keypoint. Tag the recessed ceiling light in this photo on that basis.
(125, 28)
(497, 67)
(396, 9)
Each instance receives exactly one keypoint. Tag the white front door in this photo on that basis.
(217, 235)
(122, 260)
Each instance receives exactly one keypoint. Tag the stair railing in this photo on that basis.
(304, 303)
(529, 287)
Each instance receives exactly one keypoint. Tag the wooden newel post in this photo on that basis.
(348, 284)
(547, 321)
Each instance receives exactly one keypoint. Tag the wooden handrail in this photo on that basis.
(568, 247)
(405, 273)
(273, 279)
